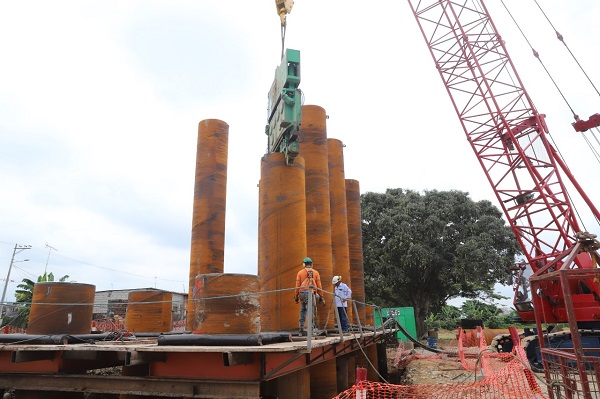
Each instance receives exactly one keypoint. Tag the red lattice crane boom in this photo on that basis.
(509, 137)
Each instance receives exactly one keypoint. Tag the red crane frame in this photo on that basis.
(509, 138)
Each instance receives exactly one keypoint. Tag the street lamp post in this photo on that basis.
(18, 249)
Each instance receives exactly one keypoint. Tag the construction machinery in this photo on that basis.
(558, 281)
(284, 110)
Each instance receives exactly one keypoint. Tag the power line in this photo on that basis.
(99, 266)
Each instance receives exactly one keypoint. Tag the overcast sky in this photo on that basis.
(100, 101)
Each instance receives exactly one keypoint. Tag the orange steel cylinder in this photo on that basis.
(351, 370)
(61, 308)
(149, 311)
(318, 216)
(491, 333)
(355, 247)
(295, 385)
(339, 216)
(208, 218)
(281, 240)
(361, 361)
(323, 380)
(227, 304)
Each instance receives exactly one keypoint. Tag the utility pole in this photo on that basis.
(50, 248)
(18, 249)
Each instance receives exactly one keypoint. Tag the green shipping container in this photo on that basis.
(404, 316)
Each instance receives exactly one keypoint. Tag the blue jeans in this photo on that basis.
(342, 311)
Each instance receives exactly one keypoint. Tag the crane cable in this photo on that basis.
(576, 117)
(283, 7)
(282, 40)
(561, 39)
(537, 55)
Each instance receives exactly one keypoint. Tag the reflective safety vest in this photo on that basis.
(308, 276)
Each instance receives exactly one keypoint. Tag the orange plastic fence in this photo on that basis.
(108, 325)
(510, 377)
(11, 330)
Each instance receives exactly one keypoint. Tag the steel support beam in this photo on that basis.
(163, 387)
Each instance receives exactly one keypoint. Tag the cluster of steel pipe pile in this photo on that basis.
(307, 208)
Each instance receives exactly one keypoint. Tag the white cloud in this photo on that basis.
(100, 101)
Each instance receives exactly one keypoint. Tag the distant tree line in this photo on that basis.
(492, 316)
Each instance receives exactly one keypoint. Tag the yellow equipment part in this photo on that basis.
(284, 7)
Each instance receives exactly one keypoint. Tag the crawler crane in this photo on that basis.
(558, 283)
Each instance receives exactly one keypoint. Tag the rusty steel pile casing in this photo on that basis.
(491, 333)
(323, 380)
(210, 190)
(61, 308)
(373, 360)
(227, 304)
(318, 216)
(352, 369)
(355, 247)
(292, 385)
(339, 217)
(281, 239)
(149, 311)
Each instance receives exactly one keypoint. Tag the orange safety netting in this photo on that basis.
(501, 375)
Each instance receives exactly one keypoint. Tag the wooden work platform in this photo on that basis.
(167, 371)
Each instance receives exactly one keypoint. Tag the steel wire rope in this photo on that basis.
(166, 301)
(566, 191)
(561, 39)
(367, 357)
(83, 303)
(50, 313)
(537, 55)
(556, 148)
(283, 29)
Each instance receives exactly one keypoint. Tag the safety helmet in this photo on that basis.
(336, 279)
(307, 260)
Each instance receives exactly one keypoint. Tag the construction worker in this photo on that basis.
(305, 278)
(342, 293)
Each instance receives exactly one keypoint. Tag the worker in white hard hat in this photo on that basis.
(342, 293)
(305, 278)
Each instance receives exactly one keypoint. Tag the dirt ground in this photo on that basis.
(427, 371)
(434, 371)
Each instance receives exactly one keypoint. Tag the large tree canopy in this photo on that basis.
(422, 249)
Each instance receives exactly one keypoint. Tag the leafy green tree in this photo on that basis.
(24, 296)
(492, 316)
(421, 250)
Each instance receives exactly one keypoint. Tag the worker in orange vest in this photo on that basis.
(305, 278)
